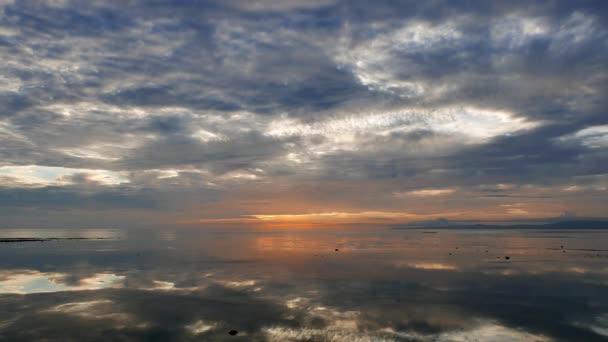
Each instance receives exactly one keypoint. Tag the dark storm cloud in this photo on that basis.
(168, 93)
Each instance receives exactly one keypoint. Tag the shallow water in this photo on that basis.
(393, 285)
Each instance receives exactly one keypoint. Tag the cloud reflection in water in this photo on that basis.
(280, 286)
(31, 281)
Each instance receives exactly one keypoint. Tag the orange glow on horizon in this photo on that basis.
(337, 219)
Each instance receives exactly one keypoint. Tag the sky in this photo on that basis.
(300, 114)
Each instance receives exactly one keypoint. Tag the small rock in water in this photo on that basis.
(507, 257)
(232, 332)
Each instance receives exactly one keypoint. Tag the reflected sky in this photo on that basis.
(393, 285)
(29, 281)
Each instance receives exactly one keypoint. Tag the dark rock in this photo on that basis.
(507, 257)
(232, 332)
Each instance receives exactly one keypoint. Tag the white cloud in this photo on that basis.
(35, 175)
(516, 31)
(451, 127)
(517, 211)
(425, 192)
(374, 61)
(592, 137)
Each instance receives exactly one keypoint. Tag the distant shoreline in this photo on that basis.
(562, 225)
(15, 240)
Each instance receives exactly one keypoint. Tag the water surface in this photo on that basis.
(393, 285)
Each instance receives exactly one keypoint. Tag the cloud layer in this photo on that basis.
(222, 109)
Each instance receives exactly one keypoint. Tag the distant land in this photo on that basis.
(35, 239)
(581, 224)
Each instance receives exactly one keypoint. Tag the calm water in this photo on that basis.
(294, 286)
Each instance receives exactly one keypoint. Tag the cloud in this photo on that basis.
(34, 175)
(425, 192)
(186, 104)
(27, 281)
(429, 266)
(517, 211)
(592, 137)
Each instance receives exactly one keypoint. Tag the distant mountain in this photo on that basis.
(580, 224)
